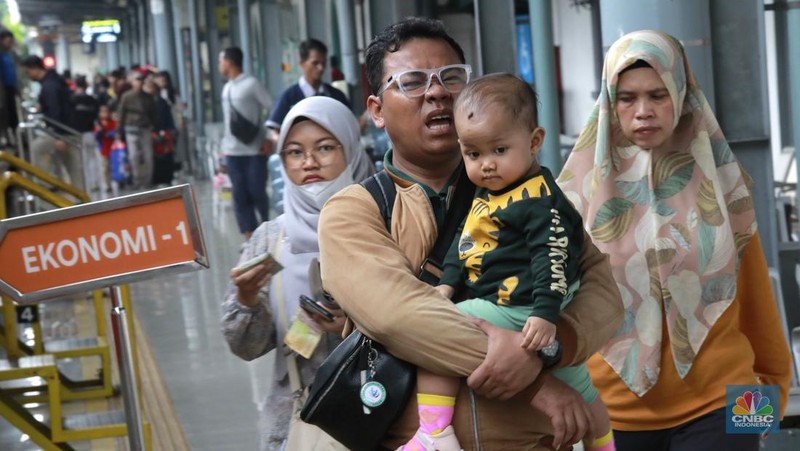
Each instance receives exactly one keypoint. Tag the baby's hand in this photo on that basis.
(446, 290)
(538, 333)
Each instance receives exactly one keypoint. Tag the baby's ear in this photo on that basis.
(537, 139)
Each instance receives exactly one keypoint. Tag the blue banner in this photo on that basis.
(524, 49)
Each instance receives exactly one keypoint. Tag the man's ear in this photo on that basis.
(375, 108)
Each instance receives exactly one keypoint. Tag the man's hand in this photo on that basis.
(266, 147)
(537, 334)
(61, 146)
(507, 368)
(568, 414)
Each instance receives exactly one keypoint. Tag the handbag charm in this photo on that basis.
(372, 392)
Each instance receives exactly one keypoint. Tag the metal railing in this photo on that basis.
(40, 122)
(36, 125)
(29, 185)
(40, 360)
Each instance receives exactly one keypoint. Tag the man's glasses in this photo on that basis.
(295, 157)
(416, 82)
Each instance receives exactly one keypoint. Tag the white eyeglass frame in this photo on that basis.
(431, 72)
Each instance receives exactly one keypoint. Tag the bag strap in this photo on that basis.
(381, 187)
(383, 191)
(295, 383)
(230, 103)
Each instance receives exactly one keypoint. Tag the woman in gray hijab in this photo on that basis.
(321, 154)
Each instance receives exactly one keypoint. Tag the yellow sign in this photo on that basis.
(101, 23)
(222, 18)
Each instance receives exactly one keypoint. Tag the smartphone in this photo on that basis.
(308, 304)
(263, 258)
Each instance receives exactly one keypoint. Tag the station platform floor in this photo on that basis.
(216, 397)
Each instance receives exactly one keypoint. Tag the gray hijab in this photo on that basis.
(301, 217)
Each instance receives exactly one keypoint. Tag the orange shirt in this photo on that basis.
(745, 346)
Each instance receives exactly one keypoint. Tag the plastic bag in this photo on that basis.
(120, 165)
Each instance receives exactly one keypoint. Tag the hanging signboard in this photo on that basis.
(116, 241)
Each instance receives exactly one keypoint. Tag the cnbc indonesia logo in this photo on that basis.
(752, 410)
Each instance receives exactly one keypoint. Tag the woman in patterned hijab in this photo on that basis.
(663, 195)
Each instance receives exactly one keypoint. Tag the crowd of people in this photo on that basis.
(128, 121)
(613, 304)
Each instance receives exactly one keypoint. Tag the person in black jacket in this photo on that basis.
(101, 88)
(47, 150)
(163, 135)
(86, 109)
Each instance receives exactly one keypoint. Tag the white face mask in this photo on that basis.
(317, 193)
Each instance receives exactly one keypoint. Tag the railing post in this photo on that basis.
(130, 390)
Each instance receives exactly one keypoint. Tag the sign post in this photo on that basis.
(103, 244)
(130, 392)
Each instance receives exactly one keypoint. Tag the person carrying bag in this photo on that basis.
(361, 389)
(244, 143)
(262, 309)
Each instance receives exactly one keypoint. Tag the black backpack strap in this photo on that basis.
(382, 189)
(459, 203)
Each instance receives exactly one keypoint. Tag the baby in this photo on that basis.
(517, 256)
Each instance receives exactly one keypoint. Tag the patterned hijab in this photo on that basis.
(674, 220)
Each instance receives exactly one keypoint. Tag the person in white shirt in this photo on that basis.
(243, 99)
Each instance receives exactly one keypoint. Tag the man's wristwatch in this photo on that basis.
(550, 355)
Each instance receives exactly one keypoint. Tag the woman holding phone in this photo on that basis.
(320, 151)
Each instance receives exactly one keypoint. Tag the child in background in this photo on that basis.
(517, 256)
(105, 131)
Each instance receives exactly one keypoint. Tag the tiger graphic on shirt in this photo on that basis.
(482, 229)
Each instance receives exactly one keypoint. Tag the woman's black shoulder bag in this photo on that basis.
(334, 402)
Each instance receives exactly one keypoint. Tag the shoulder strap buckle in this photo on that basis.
(430, 272)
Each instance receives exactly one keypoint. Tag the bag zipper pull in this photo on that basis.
(372, 392)
(363, 364)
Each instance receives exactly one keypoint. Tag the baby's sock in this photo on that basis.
(604, 443)
(435, 414)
